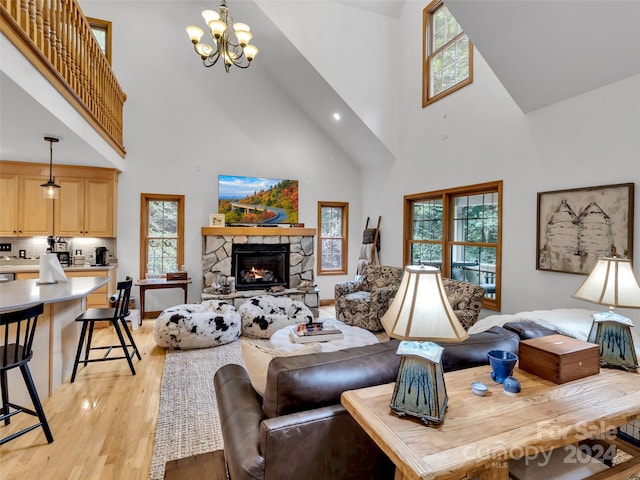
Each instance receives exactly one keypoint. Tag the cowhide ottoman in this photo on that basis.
(197, 325)
(263, 315)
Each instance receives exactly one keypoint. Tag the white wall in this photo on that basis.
(589, 140)
(179, 114)
(186, 124)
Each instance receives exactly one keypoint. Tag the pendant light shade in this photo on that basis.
(51, 188)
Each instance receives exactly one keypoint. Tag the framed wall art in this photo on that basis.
(576, 227)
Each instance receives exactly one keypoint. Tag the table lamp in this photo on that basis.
(612, 283)
(421, 311)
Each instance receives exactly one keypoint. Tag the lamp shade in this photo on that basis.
(611, 283)
(421, 310)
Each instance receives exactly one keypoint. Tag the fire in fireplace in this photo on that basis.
(260, 266)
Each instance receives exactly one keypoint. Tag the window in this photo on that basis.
(447, 54)
(102, 31)
(459, 231)
(162, 233)
(333, 238)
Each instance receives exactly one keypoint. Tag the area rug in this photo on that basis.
(188, 421)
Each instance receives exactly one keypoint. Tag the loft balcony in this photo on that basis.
(55, 37)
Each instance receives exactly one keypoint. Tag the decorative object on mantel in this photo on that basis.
(216, 220)
(421, 311)
(51, 188)
(612, 283)
(222, 28)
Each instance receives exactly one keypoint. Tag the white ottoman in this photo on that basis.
(353, 337)
(265, 314)
(197, 325)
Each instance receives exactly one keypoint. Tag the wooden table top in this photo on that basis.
(482, 432)
(161, 282)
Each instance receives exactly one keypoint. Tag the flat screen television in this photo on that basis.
(256, 200)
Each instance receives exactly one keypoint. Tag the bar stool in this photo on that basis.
(17, 329)
(116, 316)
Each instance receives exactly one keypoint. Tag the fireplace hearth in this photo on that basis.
(260, 266)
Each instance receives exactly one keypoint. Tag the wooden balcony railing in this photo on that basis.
(56, 38)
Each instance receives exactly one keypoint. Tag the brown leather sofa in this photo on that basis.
(299, 430)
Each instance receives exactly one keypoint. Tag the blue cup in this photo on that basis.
(502, 364)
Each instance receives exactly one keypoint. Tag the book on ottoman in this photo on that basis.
(315, 332)
(559, 358)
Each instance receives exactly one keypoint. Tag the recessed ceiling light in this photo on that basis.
(336, 116)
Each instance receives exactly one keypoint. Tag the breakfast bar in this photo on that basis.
(56, 337)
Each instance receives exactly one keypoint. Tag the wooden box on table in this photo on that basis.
(559, 358)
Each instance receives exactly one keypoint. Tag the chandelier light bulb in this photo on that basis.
(204, 50)
(218, 28)
(195, 33)
(243, 36)
(210, 16)
(250, 51)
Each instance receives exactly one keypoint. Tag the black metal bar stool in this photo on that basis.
(18, 329)
(116, 316)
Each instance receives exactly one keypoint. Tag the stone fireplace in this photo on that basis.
(218, 254)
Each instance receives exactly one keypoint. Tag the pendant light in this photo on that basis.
(51, 188)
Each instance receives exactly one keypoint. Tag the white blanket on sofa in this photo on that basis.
(573, 322)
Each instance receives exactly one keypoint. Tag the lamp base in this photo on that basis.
(616, 343)
(420, 391)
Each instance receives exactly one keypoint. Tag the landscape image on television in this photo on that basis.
(256, 200)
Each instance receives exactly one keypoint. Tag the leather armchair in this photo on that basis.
(363, 303)
(299, 428)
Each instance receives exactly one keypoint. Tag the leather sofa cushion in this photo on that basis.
(473, 351)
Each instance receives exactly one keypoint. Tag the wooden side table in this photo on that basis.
(481, 434)
(160, 284)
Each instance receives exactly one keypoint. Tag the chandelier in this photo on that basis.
(235, 51)
(51, 188)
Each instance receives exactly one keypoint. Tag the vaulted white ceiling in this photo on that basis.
(543, 51)
(546, 51)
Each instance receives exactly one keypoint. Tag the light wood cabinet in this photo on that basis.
(24, 212)
(86, 207)
(87, 203)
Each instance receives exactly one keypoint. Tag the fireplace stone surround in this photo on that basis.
(218, 244)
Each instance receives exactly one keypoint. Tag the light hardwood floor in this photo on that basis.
(103, 424)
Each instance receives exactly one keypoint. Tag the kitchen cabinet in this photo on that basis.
(87, 203)
(24, 212)
(85, 207)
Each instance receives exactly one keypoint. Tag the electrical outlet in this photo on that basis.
(5, 247)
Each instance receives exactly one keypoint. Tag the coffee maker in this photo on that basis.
(102, 256)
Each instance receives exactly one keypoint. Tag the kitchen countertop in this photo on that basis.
(22, 293)
(36, 268)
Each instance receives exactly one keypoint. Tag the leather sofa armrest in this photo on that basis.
(240, 410)
(321, 443)
(344, 288)
(529, 329)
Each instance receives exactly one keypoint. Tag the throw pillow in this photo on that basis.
(257, 356)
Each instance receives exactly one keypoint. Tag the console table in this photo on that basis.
(480, 434)
(160, 283)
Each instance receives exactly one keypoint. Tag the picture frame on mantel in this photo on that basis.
(216, 219)
(577, 226)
